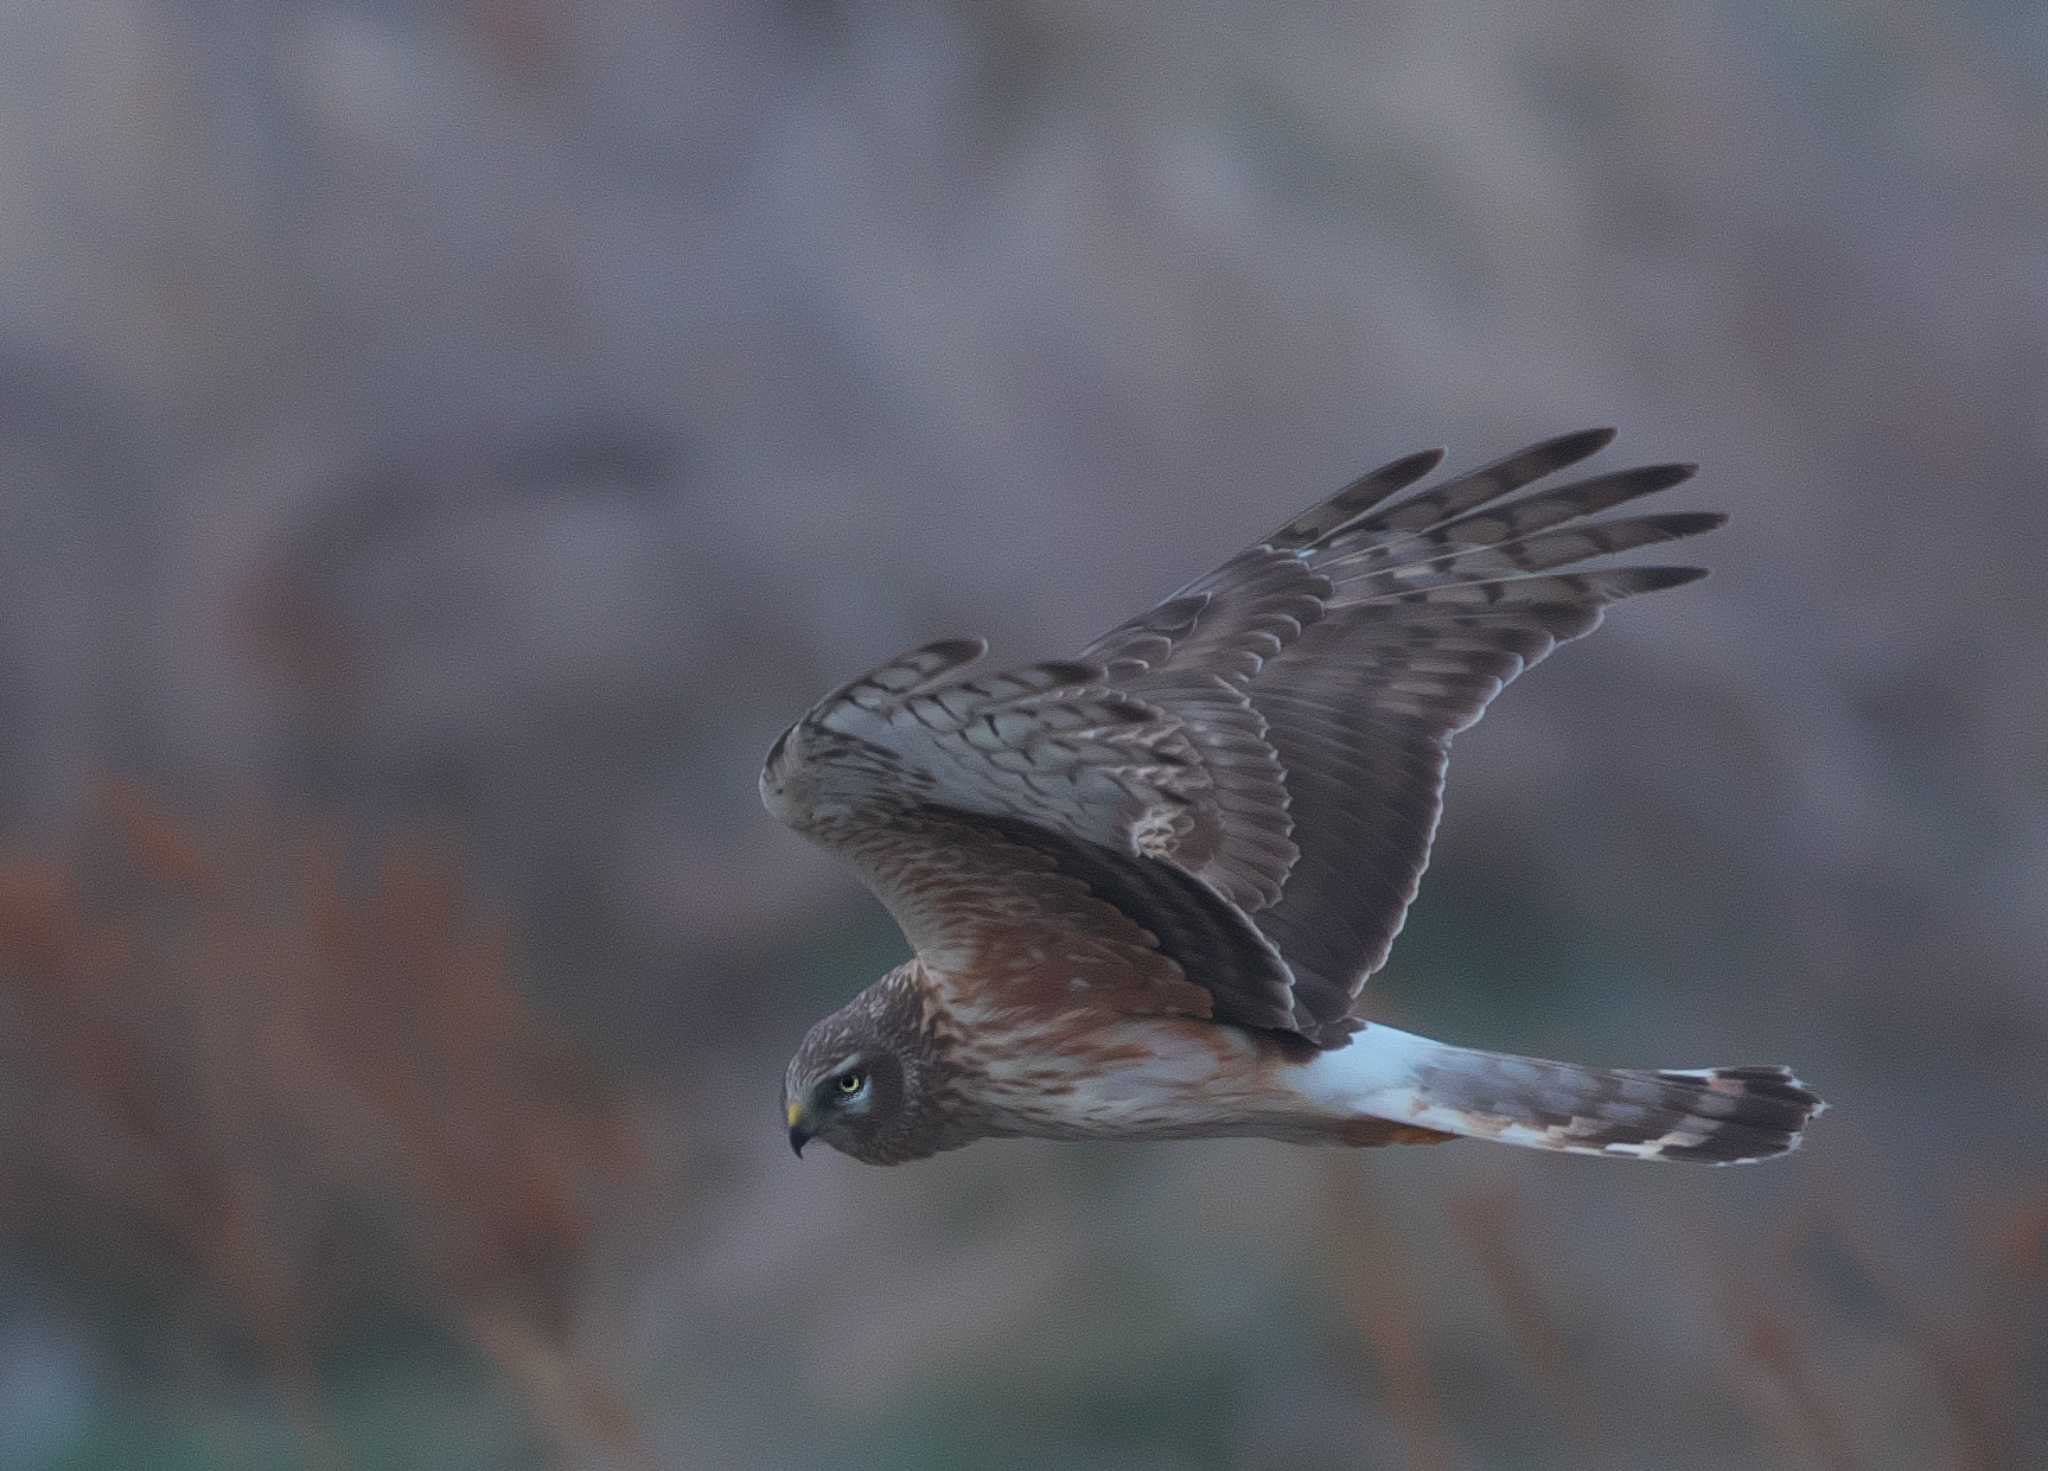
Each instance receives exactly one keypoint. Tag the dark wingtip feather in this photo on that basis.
(1355, 499)
(1407, 469)
(1658, 579)
(1532, 462)
(1687, 523)
(1580, 444)
(1599, 437)
(1649, 479)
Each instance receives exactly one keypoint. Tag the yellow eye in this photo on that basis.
(851, 1083)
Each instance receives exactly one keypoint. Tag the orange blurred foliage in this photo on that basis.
(231, 1064)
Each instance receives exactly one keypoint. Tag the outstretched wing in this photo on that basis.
(1224, 806)
(1359, 638)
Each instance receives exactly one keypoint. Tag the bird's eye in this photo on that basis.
(851, 1082)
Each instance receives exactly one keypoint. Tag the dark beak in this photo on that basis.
(798, 1138)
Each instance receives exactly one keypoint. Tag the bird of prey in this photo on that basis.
(1145, 885)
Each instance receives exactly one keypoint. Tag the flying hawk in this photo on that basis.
(1145, 885)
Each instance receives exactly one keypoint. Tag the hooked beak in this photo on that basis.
(799, 1135)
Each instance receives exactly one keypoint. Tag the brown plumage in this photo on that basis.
(1146, 885)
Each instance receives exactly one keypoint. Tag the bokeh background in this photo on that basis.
(441, 446)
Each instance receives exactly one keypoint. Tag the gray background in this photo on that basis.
(495, 421)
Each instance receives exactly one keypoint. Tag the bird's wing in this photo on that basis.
(1020, 827)
(1319, 676)
(1223, 807)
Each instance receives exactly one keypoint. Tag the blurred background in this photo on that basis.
(441, 447)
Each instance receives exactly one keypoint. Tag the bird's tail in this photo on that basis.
(1727, 1115)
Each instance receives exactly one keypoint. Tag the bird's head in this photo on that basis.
(864, 1081)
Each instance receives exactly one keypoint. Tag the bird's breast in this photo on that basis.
(1084, 1077)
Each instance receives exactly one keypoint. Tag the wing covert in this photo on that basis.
(1017, 826)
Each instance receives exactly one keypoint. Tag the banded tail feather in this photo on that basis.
(1726, 1115)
